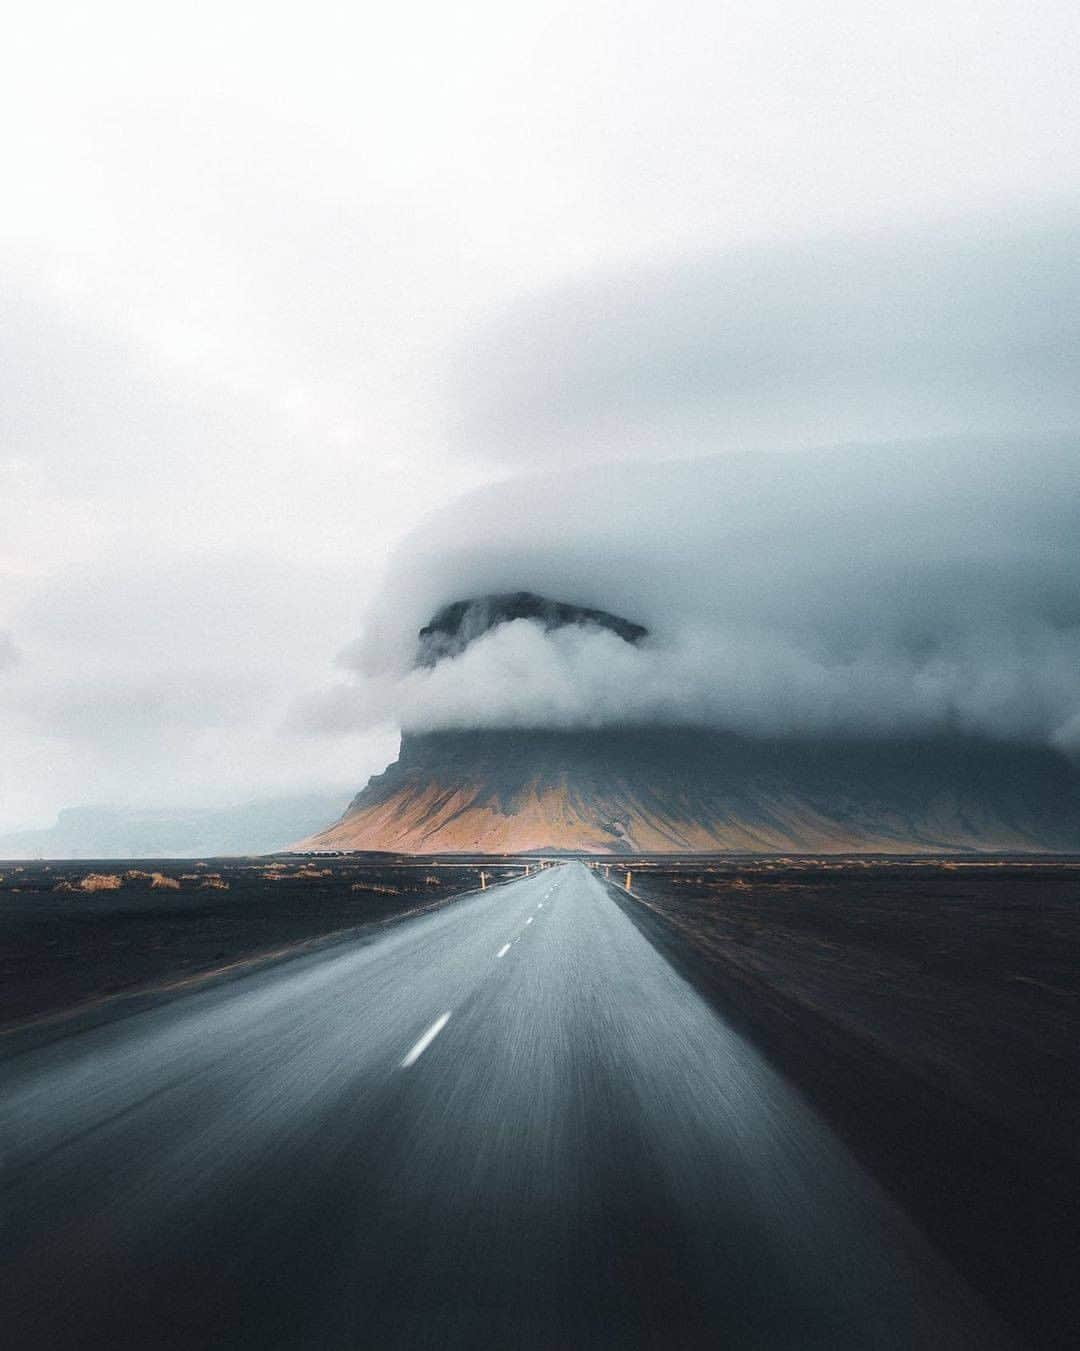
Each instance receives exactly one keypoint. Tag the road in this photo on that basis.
(510, 1123)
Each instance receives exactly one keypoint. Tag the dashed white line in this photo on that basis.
(425, 1041)
(530, 919)
(503, 950)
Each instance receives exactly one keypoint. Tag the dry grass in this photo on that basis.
(100, 882)
(166, 883)
(213, 880)
(377, 887)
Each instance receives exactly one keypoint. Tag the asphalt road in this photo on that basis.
(509, 1124)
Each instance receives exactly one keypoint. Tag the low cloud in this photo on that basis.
(855, 591)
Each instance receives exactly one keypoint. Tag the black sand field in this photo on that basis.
(931, 1012)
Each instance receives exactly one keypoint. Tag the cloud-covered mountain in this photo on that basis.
(641, 786)
(883, 634)
(914, 590)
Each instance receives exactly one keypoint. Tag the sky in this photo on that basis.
(286, 289)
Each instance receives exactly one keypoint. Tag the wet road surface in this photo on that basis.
(510, 1123)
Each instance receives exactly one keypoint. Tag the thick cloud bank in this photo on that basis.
(881, 590)
(970, 327)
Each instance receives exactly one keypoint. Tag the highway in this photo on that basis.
(510, 1123)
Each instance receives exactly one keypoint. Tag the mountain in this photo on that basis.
(679, 790)
(685, 789)
(114, 832)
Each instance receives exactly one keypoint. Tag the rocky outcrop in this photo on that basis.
(456, 625)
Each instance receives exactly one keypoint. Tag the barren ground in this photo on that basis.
(931, 1011)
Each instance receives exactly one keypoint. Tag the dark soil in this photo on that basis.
(931, 1012)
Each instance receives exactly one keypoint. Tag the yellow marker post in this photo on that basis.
(628, 877)
(483, 881)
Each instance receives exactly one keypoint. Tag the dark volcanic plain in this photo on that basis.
(147, 926)
(929, 1009)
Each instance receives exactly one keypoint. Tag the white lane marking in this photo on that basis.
(425, 1041)
(530, 919)
(540, 906)
(503, 950)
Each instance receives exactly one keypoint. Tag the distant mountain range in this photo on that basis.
(680, 790)
(112, 832)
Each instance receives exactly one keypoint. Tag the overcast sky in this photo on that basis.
(278, 280)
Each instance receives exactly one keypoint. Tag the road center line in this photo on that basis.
(503, 950)
(425, 1041)
(530, 919)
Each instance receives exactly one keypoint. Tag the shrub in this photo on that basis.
(100, 882)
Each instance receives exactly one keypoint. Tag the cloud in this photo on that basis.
(863, 590)
(970, 327)
(9, 653)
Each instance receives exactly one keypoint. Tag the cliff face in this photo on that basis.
(680, 790)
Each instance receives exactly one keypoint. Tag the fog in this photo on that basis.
(881, 590)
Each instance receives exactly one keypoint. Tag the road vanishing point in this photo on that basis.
(510, 1123)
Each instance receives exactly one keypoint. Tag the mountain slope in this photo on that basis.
(680, 790)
